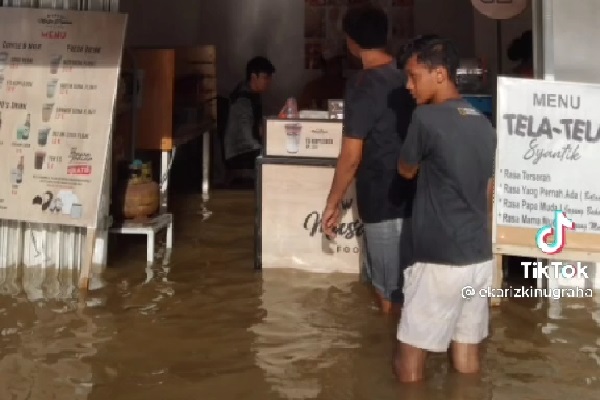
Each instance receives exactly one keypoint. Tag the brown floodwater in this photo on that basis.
(207, 326)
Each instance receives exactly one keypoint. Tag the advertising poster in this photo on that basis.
(58, 82)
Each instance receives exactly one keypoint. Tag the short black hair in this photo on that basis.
(435, 51)
(259, 65)
(367, 25)
(407, 49)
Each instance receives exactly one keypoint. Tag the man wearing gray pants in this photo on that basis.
(377, 112)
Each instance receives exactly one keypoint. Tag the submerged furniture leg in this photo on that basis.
(170, 236)
(205, 165)
(150, 229)
(540, 281)
(150, 247)
(205, 174)
(164, 180)
(498, 277)
(169, 243)
(88, 259)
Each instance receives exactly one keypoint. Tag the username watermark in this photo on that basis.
(469, 292)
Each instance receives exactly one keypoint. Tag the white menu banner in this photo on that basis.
(548, 153)
(58, 83)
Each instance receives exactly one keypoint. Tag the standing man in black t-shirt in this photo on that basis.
(452, 147)
(377, 109)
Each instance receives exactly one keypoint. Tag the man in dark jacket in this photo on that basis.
(242, 140)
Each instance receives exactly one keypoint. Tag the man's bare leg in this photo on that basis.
(389, 307)
(397, 309)
(384, 304)
(409, 363)
(465, 357)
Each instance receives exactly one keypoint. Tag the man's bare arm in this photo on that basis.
(407, 171)
(345, 170)
(490, 195)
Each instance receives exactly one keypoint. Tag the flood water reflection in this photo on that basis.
(207, 326)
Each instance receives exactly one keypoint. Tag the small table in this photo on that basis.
(164, 220)
(149, 228)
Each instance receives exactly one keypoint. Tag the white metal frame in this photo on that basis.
(205, 173)
(150, 229)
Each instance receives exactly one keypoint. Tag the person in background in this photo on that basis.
(242, 141)
(521, 51)
(452, 147)
(376, 116)
(328, 86)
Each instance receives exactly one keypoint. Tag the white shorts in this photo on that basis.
(435, 312)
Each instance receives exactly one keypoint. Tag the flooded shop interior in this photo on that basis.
(206, 281)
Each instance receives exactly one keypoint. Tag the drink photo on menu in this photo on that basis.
(55, 63)
(43, 134)
(23, 130)
(293, 134)
(16, 174)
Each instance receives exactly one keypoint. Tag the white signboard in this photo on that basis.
(58, 82)
(548, 154)
(292, 198)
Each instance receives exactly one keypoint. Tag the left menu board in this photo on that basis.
(58, 83)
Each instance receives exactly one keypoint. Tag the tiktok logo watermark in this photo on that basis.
(555, 269)
(559, 229)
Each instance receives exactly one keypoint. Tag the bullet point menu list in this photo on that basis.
(526, 199)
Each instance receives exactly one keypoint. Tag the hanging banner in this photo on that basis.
(546, 169)
(58, 84)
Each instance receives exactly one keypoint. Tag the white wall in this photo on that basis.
(450, 18)
(160, 23)
(576, 29)
(240, 29)
(243, 28)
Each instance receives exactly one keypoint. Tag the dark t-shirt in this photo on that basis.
(454, 146)
(377, 110)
